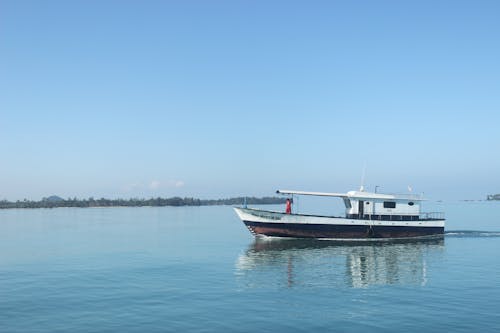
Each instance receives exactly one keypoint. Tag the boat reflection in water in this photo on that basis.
(276, 262)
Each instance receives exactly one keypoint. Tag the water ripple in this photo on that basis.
(471, 233)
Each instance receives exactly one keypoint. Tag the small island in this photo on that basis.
(56, 202)
(493, 197)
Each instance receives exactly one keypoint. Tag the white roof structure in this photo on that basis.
(358, 195)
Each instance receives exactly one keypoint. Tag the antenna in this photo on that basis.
(363, 175)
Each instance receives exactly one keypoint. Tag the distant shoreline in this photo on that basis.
(57, 202)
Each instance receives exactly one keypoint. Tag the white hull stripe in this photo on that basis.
(254, 215)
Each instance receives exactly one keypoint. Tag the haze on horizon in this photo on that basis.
(217, 99)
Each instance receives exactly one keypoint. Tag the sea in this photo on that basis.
(198, 269)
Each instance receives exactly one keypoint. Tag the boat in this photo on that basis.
(368, 216)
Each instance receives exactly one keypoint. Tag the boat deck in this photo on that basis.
(430, 216)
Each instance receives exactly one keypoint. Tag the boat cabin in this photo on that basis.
(376, 206)
(363, 205)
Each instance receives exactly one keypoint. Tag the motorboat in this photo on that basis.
(368, 215)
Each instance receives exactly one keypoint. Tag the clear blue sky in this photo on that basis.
(229, 98)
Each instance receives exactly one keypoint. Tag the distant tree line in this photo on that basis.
(134, 202)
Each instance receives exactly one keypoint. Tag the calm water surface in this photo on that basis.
(199, 270)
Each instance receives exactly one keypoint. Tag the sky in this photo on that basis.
(214, 99)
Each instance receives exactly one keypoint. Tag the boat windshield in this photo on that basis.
(347, 203)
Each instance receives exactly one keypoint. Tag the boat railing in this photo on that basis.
(432, 216)
(399, 217)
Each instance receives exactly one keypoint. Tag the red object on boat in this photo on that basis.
(288, 206)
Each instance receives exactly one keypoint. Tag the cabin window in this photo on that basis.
(389, 204)
(347, 203)
(411, 203)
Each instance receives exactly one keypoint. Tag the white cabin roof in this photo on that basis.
(371, 195)
(357, 195)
